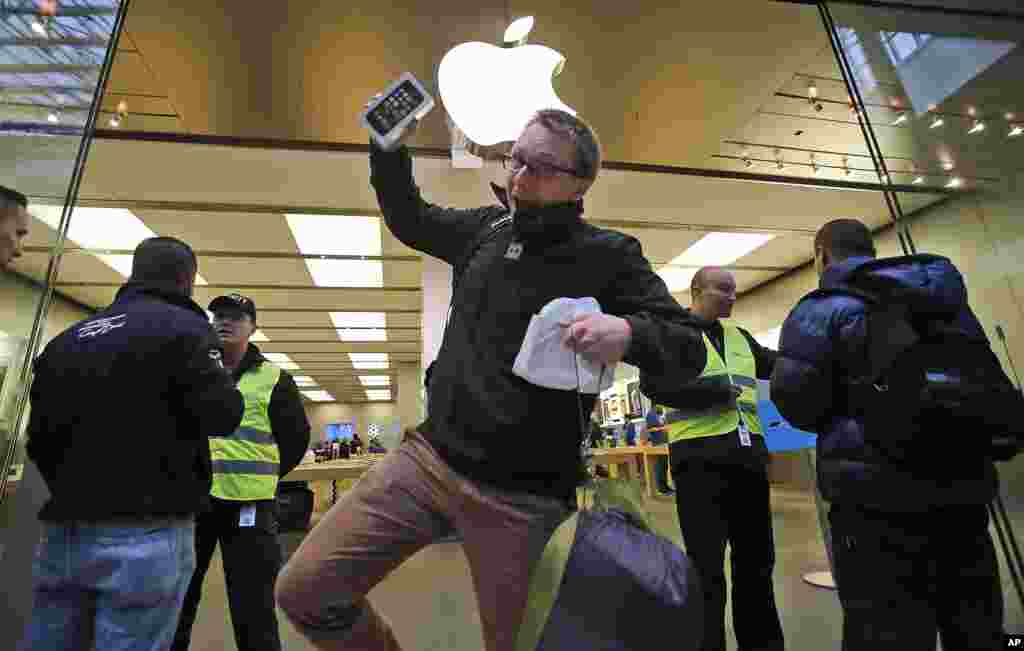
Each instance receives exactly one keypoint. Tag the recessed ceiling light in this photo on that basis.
(714, 249)
(978, 127)
(954, 183)
(901, 118)
(936, 123)
(371, 326)
(369, 361)
(339, 235)
(918, 180)
(1016, 130)
(281, 360)
(318, 395)
(948, 165)
(375, 380)
(38, 27)
(102, 228)
(115, 121)
(259, 336)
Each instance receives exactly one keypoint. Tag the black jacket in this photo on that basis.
(703, 395)
(288, 421)
(824, 340)
(481, 414)
(122, 405)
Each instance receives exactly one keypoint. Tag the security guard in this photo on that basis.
(269, 443)
(719, 466)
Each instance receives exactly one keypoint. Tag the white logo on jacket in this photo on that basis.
(102, 326)
(515, 249)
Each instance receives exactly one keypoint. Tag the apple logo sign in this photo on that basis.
(491, 92)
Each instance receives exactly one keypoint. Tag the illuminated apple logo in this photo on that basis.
(491, 92)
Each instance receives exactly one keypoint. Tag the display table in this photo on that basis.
(332, 471)
(648, 452)
(621, 459)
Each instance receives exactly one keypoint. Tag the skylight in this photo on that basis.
(378, 394)
(369, 361)
(714, 249)
(281, 360)
(318, 396)
(375, 380)
(339, 235)
(346, 322)
(102, 228)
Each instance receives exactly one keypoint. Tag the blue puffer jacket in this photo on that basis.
(824, 337)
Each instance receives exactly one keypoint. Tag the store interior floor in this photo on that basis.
(431, 603)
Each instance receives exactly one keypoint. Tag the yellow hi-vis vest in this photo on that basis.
(245, 464)
(739, 368)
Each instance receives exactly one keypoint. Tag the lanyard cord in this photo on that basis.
(584, 434)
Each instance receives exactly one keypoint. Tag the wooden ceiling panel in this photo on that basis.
(130, 75)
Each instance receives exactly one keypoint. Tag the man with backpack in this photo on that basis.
(889, 365)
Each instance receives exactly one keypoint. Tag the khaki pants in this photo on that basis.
(406, 501)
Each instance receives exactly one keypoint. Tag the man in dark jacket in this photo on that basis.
(270, 441)
(720, 467)
(14, 222)
(122, 405)
(464, 468)
(911, 546)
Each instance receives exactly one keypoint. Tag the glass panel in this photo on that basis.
(50, 67)
(949, 116)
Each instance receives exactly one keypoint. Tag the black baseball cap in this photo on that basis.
(234, 302)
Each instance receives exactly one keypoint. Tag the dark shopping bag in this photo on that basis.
(606, 582)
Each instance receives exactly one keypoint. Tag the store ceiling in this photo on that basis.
(666, 83)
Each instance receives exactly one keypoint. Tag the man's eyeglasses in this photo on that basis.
(515, 162)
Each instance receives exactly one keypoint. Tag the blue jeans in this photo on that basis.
(110, 587)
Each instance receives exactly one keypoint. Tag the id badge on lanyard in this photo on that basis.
(744, 434)
(743, 430)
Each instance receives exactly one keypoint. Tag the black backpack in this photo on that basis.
(928, 394)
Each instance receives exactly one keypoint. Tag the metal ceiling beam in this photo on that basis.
(43, 68)
(65, 41)
(42, 90)
(63, 12)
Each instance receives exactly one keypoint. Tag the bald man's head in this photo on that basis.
(713, 293)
